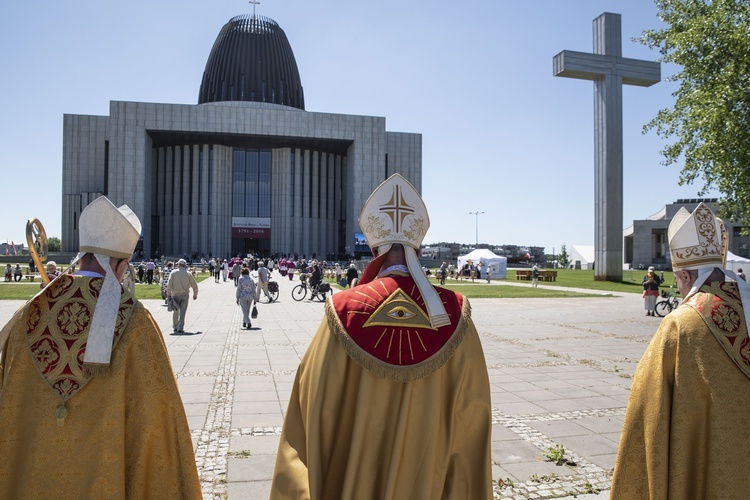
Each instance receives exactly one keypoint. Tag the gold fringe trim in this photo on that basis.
(392, 372)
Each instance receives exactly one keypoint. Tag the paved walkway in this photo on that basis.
(560, 372)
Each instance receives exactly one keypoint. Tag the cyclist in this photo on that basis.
(315, 279)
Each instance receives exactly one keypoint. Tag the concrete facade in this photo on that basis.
(646, 242)
(173, 164)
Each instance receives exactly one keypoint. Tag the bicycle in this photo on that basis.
(299, 292)
(666, 304)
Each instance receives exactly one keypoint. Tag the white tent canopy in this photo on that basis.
(498, 264)
(735, 262)
(582, 256)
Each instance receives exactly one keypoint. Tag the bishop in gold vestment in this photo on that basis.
(687, 427)
(386, 407)
(66, 434)
(392, 397)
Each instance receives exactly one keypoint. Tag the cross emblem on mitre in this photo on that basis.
(396, 208)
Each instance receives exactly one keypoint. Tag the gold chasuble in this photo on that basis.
(121, 433)
(384, 406)
(687, 426)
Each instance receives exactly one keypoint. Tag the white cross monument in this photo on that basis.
(609, 71)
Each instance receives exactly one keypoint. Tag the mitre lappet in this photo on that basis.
(106, 231)
(395, 213)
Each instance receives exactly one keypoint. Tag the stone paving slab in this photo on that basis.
(560, 373)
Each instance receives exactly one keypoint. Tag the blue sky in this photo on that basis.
(500, 134)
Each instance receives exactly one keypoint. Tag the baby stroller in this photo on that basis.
(273, 290)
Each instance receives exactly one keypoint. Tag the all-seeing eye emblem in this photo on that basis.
(399, 310)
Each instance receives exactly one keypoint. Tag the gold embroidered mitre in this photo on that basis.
(697, 240)
(395, 213)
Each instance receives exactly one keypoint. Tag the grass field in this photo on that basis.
(484, 291)
(24, 291)
(631, 280)
(631, 283)
(479, 289)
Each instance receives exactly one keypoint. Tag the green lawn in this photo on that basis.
(24, 291)
(479, 289)
(631, 282)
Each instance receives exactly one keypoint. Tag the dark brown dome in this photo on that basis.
(252, 60)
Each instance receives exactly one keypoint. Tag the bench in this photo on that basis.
(31, 276)
(525, 275)
(548, 275)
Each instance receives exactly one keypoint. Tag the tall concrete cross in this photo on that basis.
(609, 71)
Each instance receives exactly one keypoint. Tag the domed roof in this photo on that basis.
(252, 60)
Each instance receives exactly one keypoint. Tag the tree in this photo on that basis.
(54, 244)
(710, 120)
(563, 259)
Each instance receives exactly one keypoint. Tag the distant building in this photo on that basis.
(12, 248)
(646, 243)
(246, 169)
(521, 255)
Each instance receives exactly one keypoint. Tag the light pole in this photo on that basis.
(477, 216)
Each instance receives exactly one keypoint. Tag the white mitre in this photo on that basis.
(699, 242)
(106, 231)
(395, 213)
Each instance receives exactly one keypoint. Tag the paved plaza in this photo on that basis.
(560, 373)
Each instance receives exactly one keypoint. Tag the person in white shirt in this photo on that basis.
(263, 276)
(178, 287)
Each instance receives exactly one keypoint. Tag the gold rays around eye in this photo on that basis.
(369, 287)
(401, 334)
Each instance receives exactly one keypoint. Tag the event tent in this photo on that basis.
(582, 257)
(735, 262)
(498, 265)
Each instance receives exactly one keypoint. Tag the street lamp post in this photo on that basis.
(477, 225)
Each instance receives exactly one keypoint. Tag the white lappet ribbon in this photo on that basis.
(102, 330)
(435, 308)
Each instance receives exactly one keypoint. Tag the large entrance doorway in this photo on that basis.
(243, 246)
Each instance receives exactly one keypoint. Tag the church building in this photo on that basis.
(247, 169)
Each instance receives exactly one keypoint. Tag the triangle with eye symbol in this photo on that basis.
(399, 310)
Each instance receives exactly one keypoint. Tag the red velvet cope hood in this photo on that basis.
(384, 327)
